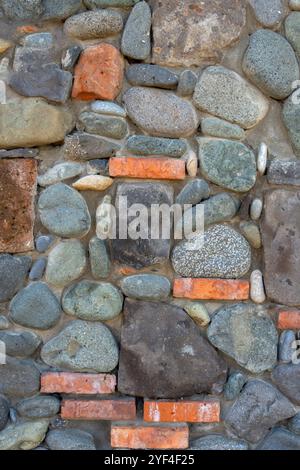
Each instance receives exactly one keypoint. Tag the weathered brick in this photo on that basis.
(182, 411)
(289, 320)
(111, 410)
(148, 168)
(17, 192)
(149, 437)
(83, 384)
(211, 289)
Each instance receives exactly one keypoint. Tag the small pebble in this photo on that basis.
(99, 258)
(257, 290)
(286, 349)
(234, 385)
(93, 183)
(103, 218)
(187, 83)
(38, 40)
(38, 269)
(70, 57)
(256, 209)
(252, 233)
(198, 312)
(191, 163)
(4, 323)
(108, 107)
(44, 242)
(98, 166)
(262, 158)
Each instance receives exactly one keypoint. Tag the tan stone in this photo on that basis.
(4, 45)
(93, 183)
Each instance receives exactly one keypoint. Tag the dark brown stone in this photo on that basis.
(287, 379)
(17, 192)
(163, 354)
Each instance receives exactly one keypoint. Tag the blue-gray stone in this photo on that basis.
(58, 10)
(108, 107)
(151, 76)
(269, 13)
(292, 30)
(83, 146)
(33, 57)
(193, 192)
(99, 258)
(234, 385)
(66, 262)
(22, 9)
(187, 82)
(60, 172)
(97, 167)
(106, 126)
(20, 343)
(36, 306)
(287, 378)
(70, 58)
(70, 439)
(136, 40)
(286, 346)
(280, 439)
(146, 287)
(4, 412)
(145, 145)
(218, 442)
(19, 378)
(13, 271)
(43, 242)
(38, 40)
(38, 269)
(42, 406)
(294, 424)
(219, 128)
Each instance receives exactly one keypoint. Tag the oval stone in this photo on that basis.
(146, 287)
(94, 24)
(66, 262)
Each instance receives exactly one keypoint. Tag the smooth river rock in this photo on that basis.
(94, 24)
(23, 436)
(146, 287)
(13, 271)
(146, 145)
(66, 262)
(19, 378)
(20, 343)
(136, 39)
(151, 76)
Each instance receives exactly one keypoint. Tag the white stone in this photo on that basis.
(256, 209)
(108, 107)
(257, 290)
(191, 163)
(262, 158)
(104, 218)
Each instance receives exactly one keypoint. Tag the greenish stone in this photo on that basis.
(252, 233)
(23, 436)
(106, 126)
(66, 262)
(234, 385)
(99, 258)
(292, 30)
(291, 119)
(144, 145)
(42, 406)
(219, 128)
(146, 287)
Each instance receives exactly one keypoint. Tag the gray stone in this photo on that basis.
(151, 76)
(270, 63)
(219, 128)
(108, 107)
(64, 212)
(34, 57)
(38, 269)
(136, 40)
(82, 347)
(252, 233)
(4, 412)
(58, 10)
(36, 306)
(43, 243)
(70, 439)
(255, 350)
(284, 172)
(234, 385)
(94, 24)
(259, 407)
(291, 119)
(23, 436)
(218, 442)
(106, 126)
(294, 424)
(70, 58)
(280, 439)
(226, 94)
(60, 172)
(20, 343)
(256, 208)
(99, 258)
(97, 167)
(286, 346)
(220, 252)
(146, 287)
(287, 377)
(93, 301)
(227, 163)
(19, 378)
(160, 113)
(193, 192)
(66, 262)
(187, 82)
(41, 406)
(168, 341)
(4, 323)
(269, 13)
(94, 4)
(292, 30)
(82, 146)
(145, 145)
(38, 40)
(19, 153)
(13, 271)
(22, 9)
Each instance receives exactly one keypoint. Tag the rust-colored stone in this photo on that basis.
(17, 192)
(149, 437)
(289, 320)
(211, 289)
(104, 410)
(147, 168)
(185, 411)
(82, 384)
(99, 73)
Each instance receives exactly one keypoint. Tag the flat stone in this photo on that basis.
(38, 40)
(227, 163)
(218, 442)
(291, 119)
(42, 406)
(280, 439)
(269, 13)
(99, 258)
(219, 128)
(145, 145)
(294, 424)
(271, 64)
(182, 30)
(47, 81)
(19, 153)
(256, 351)
(94, 4)
(106, 126)
(168, 340)
(226, 94)
(93, 301)
(93, 183)
(146, 287)
(56, 10)
(151, 76)
(70, 439)
(109, 108)
(136, 39)
(141, 253)
(193, 192)
(160, 113)
(234, 385)
(280, 230)
(286, 346)
(19, 378)
(94, 24)
(26, 56)
(22, 9)
(4, 412)
(220, 253)
(36, 306)
(20, 343)
(43, 242)
(21, 126)
(187, 82)
(38, 269)
(284, 172)
(23, 436)
(64, 212)
(286, 377)
(83, 347)
(60, 172)
(70, 58)
(17, 194)
(13, 271)
(252, 233)
(259, 407)
(66, 262)
(82, 146)
(292, 31)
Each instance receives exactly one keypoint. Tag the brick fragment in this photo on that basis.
(149, 437)
(111, 410)
(211, 289)
(289, 320)
(185, 411)
(147, 168)
(83, 384)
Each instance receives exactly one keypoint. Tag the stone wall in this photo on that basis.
(149, 343)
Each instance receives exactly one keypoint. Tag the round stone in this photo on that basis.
(23, 436)
(106, 126)
(286, 348)
(20, 10)
(42, 406)
(257, 290)
(13, 271)
(20, 343)
(198, 312)
(93, 301)
(151, 76)
(187, 83)
(43, 242)
(269, 13)
(66, 262)
(256, 209)
(64, 212)
(94, 24)
(108, 107)
(252, 233)
(146, 287)
(145, 145)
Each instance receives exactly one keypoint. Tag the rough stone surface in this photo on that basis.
(286, 377)
(60, 172)
(145, 145)
(19, 378)
(136, 39)
(42, 406)
(255, 350)
(284, 172)
(21, 343)
(13, 271)
(146, 287)
(94, 24)
(36, 306)
(57, 10)
(259, 407)
(70, 439)
(286, 343)
(70, 58)
(23, 436)
(151, 76)
(234, 385)
(269, 13)
(106, 126)
(110, 3)
(93, 183)
(291, 119)
(198, 312)
(108, 107)
(187, 82)
(66, 262)
(218, 128)
(22, 10)
(218, 442)
(4, 412)
(99, 258)
(280, 439)
(82, 146)
(26, 56)
(169, 341)
(292, 30)
(193, 192)
(294, 424)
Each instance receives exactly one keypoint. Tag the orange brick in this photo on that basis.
(160, 168)
(27, 29)
(112, 410)
(149, 437)
(211, 289)
(289, 320)
(164, 411)
(83, 384)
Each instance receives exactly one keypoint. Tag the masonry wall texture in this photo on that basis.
(152, 344)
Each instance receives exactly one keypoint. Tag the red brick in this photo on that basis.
(149, 437)
(289, 320)
(17, 192)
(99, 73)
(83, 384)
(184, 411)
(160, 168)
(111, 410)
(211, 289)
